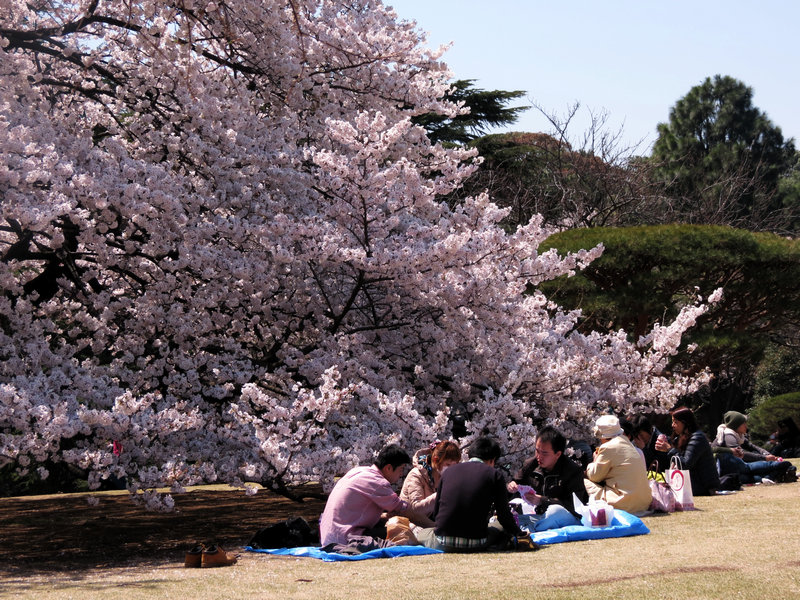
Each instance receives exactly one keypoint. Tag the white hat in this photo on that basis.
(607, 427)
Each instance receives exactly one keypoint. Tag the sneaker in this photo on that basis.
(214, 556)
(194, 556)
(767, 481)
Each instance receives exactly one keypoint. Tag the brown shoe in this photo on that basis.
(194, 556)
(214, 556)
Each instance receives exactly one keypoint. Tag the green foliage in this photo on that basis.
(488, 108)
(721, 157)
(646, 274)
(763, 418)
(778, 373)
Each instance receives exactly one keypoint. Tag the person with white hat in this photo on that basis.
(617, 474)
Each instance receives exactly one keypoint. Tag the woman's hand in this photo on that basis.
(662, 445)
(512, 488)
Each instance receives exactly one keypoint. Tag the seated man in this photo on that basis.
(358, 500)
(466, 494)
(617, 474)
(554, 478)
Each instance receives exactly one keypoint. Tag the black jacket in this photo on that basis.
(556, 485)
(466, 494)
(698, 458)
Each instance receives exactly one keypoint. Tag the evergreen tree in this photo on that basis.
(487, 109)
(721, 158)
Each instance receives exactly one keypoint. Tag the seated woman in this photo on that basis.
(787, 439)
(691, 446)
(617, 474)
(419, 487)
(736, 454)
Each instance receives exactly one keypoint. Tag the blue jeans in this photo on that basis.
(748, 471)
(554, 517)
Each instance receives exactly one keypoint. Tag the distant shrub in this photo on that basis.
(763, 418)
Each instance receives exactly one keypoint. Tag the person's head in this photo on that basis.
(787, 426)
(444, 455)
(485, 448)
(641, 430)
(550, 444)
(607, 427)
(736, 421)
(683, 421)
(391, 461)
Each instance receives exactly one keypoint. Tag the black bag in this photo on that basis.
(730, 482)
(789, 475)
(291, 533)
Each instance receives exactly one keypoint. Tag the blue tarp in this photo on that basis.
(624, 524)
(312, 552)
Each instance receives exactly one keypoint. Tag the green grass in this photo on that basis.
(742, 546)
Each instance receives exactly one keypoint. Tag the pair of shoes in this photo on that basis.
(194, 557)
(209, 556)
(215, 556)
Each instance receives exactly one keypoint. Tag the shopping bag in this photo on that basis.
(681, 484)
(598, 513)
(663, 498)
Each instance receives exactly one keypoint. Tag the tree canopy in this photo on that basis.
(721, 159)
(480, 111)
(222, 249)
(646, 274)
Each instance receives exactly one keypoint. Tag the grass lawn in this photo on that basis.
(743, 546)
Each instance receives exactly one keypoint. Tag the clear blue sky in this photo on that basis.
(632, 58)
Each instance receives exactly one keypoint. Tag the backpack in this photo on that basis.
(291, 533)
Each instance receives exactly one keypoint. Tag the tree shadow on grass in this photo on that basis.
(47, 534)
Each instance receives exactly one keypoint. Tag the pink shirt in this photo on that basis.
(356, 503)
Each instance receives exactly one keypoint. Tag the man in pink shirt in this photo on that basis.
(358, 500)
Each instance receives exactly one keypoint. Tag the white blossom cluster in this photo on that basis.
(221, 247)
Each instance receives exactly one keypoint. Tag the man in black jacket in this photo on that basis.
(554, 478)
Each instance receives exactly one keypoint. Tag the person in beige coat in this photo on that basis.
(617, 474)
(419, 487)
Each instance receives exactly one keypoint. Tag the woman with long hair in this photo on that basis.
(693, 449)
(419, 487)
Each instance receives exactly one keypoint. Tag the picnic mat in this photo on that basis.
(624, 524)
(313, 552)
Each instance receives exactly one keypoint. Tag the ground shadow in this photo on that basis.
(46, 534)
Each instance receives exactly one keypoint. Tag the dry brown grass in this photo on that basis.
(742, 546)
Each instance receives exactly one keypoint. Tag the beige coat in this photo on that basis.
(618, 475)
(418, 491)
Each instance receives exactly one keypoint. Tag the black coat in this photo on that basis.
(698, 458)
(466, 494)
(556, 485)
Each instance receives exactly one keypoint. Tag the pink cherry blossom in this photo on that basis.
(223, 248)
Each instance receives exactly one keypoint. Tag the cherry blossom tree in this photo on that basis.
(221, 250)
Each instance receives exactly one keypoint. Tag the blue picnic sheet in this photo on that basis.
(313, 552)
(624, 524)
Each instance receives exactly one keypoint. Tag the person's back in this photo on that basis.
(467, 493)
(355, 505)
(618, 475)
